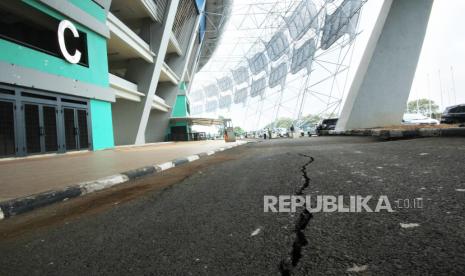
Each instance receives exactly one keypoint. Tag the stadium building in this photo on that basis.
(92, 74)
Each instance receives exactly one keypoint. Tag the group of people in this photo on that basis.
(267, 132)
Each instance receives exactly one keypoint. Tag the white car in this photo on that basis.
(418, 119)
(282, 132)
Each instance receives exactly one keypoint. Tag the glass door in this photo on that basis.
(33, 128)
(76, 129)
(70, 129)
(40, 128)
(49, 128)
(7, 129)
(83, 132)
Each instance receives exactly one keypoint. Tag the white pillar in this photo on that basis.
(158, 63)
(381, 86)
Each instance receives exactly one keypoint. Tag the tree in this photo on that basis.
(422, 106)
(221, 127)
(281, 123)
(238, 131)
(311, 119)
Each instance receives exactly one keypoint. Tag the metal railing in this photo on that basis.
(193, 58)
(184, 21)
(192, 136)
(161, 9)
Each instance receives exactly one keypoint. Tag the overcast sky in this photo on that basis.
(443, 49)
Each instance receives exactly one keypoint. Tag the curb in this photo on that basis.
(22, 205)
(399, 134)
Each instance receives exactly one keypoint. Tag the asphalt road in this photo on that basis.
(207, 218)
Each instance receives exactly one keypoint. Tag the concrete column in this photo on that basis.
(381, 86)
(130, 118)
(158, 122)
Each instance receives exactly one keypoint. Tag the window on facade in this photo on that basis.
(27, 26)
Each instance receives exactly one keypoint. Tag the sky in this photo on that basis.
(443, 48)
(244, 35)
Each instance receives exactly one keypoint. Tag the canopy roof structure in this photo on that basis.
(265, 45)
(197, 121)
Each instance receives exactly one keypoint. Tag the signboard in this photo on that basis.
(258, 87)
(341, 22)
(278, 75)
(225, 101)
(258, 63)
(241, 75)
(225, 83)
(240, 96)
(277, 46)
(212, 90)
(302, 57)
(62, 27)
(304, 18)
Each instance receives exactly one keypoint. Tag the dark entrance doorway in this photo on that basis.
(179, 133)
(7, 129)
(76, 130)
(41, 131)
(38, 122)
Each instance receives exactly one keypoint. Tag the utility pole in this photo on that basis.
(429, 95)
(440, 88)
(453, 84)
(418, 106)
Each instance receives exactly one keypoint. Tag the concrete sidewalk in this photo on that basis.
(27, 176)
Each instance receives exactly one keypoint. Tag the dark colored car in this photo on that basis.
(326, 124)
(454, 114)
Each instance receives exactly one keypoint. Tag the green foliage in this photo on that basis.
(238, 131)
(311, 119)
(306, 121)
(422, 106)
(281, 123)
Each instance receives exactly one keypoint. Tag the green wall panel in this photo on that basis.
(180, 107)
(96, 74)
(91, 8)
(102, 125)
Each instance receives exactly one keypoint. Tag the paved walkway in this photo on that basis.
(26, 176)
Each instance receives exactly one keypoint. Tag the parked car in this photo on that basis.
(326, 124)
(310, 130)
(418, 119)
(282, 132)
(454, 114)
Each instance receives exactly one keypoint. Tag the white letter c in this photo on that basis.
(65, 24)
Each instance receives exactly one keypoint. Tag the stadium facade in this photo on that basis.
(92, 74)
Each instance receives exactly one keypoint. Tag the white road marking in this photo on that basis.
(357, 268)
(423, 154)
(409, 225)
(460, 190)
(256, 232)
(103, 183)
(192, 158)
(165, 166)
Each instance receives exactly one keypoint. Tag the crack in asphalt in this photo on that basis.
(289, 263)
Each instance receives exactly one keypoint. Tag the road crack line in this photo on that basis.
(290, 262)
